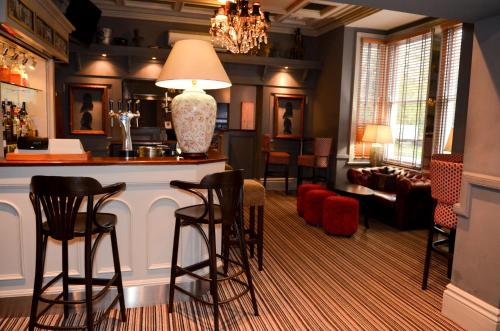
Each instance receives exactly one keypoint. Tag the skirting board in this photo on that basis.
(278, 183)
(468, 311)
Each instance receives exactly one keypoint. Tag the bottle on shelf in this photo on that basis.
(15, 122)
(4, 70)
(15, 74)
(7, 122)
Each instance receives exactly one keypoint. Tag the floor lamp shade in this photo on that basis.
(193, 66)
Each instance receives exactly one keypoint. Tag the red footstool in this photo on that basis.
(313, 206)
(340, 215)
(301, 192)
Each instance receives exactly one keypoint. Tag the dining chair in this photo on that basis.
(319, 160)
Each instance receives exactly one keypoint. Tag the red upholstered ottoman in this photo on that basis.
(340, 215)
(313, 206)
(301, 192)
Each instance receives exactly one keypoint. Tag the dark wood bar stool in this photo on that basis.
(276, 159)
(254, 196)
(227, 187)
(60, 198)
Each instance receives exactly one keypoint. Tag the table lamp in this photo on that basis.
(378, 136)
(193, 66)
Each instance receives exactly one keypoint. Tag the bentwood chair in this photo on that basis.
(275, 159)
(317, 161)
(227, 188)
(446, 180)
(59, 199)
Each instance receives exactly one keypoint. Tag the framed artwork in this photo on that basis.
(289, 116)
(247, 115)
(88, 108)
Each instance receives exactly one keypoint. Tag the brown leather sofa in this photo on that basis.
(402, 196)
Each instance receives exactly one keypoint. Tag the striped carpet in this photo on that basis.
(312, 281)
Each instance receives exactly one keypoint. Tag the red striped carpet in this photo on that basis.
(312, 281)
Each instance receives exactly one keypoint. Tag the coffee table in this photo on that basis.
(359, 192)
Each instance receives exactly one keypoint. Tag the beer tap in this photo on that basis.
(125, 118)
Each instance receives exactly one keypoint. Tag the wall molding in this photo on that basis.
(471, 180)
(469, 311)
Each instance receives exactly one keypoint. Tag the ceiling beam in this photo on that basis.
(293, 8)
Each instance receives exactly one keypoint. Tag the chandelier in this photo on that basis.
(239, 26)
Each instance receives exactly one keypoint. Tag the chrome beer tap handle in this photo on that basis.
(111, 112)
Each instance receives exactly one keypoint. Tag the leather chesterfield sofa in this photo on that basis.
(402, 197)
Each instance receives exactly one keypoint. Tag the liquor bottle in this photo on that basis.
(8, 124)
(23, 114)
(15, 122)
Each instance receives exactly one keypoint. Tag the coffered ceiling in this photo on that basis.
(314, 17)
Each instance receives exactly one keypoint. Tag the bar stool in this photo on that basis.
(60, 198)
(280, 159)
(227, 186)
(319, 160)
(254, 195)
(446, 181)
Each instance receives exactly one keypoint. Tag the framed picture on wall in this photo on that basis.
(289, 116)
(88, 108)
(247, 115)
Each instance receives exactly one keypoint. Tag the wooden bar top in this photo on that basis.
(109, 160)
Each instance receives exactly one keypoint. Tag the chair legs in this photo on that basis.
(87, 281)
(428, 252)
(212, 264)
(118, 282)
(173, 271)
(257, 236)
(41, 247)
(432, 246)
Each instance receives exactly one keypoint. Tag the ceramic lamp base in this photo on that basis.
(193, 114)
(376, 155)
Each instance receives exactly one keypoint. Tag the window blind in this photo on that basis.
(408, 62)
(370, 92)
(446, 98)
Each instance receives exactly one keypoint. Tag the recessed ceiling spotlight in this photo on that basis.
(153, 58)
(104, 55)
(286, 67)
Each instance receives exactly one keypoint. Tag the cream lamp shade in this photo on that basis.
(377, 134)
(449, 142)
(193, 61)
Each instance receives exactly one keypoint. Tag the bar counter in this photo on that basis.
(145, 213)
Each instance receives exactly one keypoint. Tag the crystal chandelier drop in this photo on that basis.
(239, 26)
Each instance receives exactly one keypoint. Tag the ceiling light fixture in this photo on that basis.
(239, 26)
(104, 55)
(153, 58)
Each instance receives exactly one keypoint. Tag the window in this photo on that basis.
(370, 92)
(391, 89)
(447, 86)
(407, 89)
